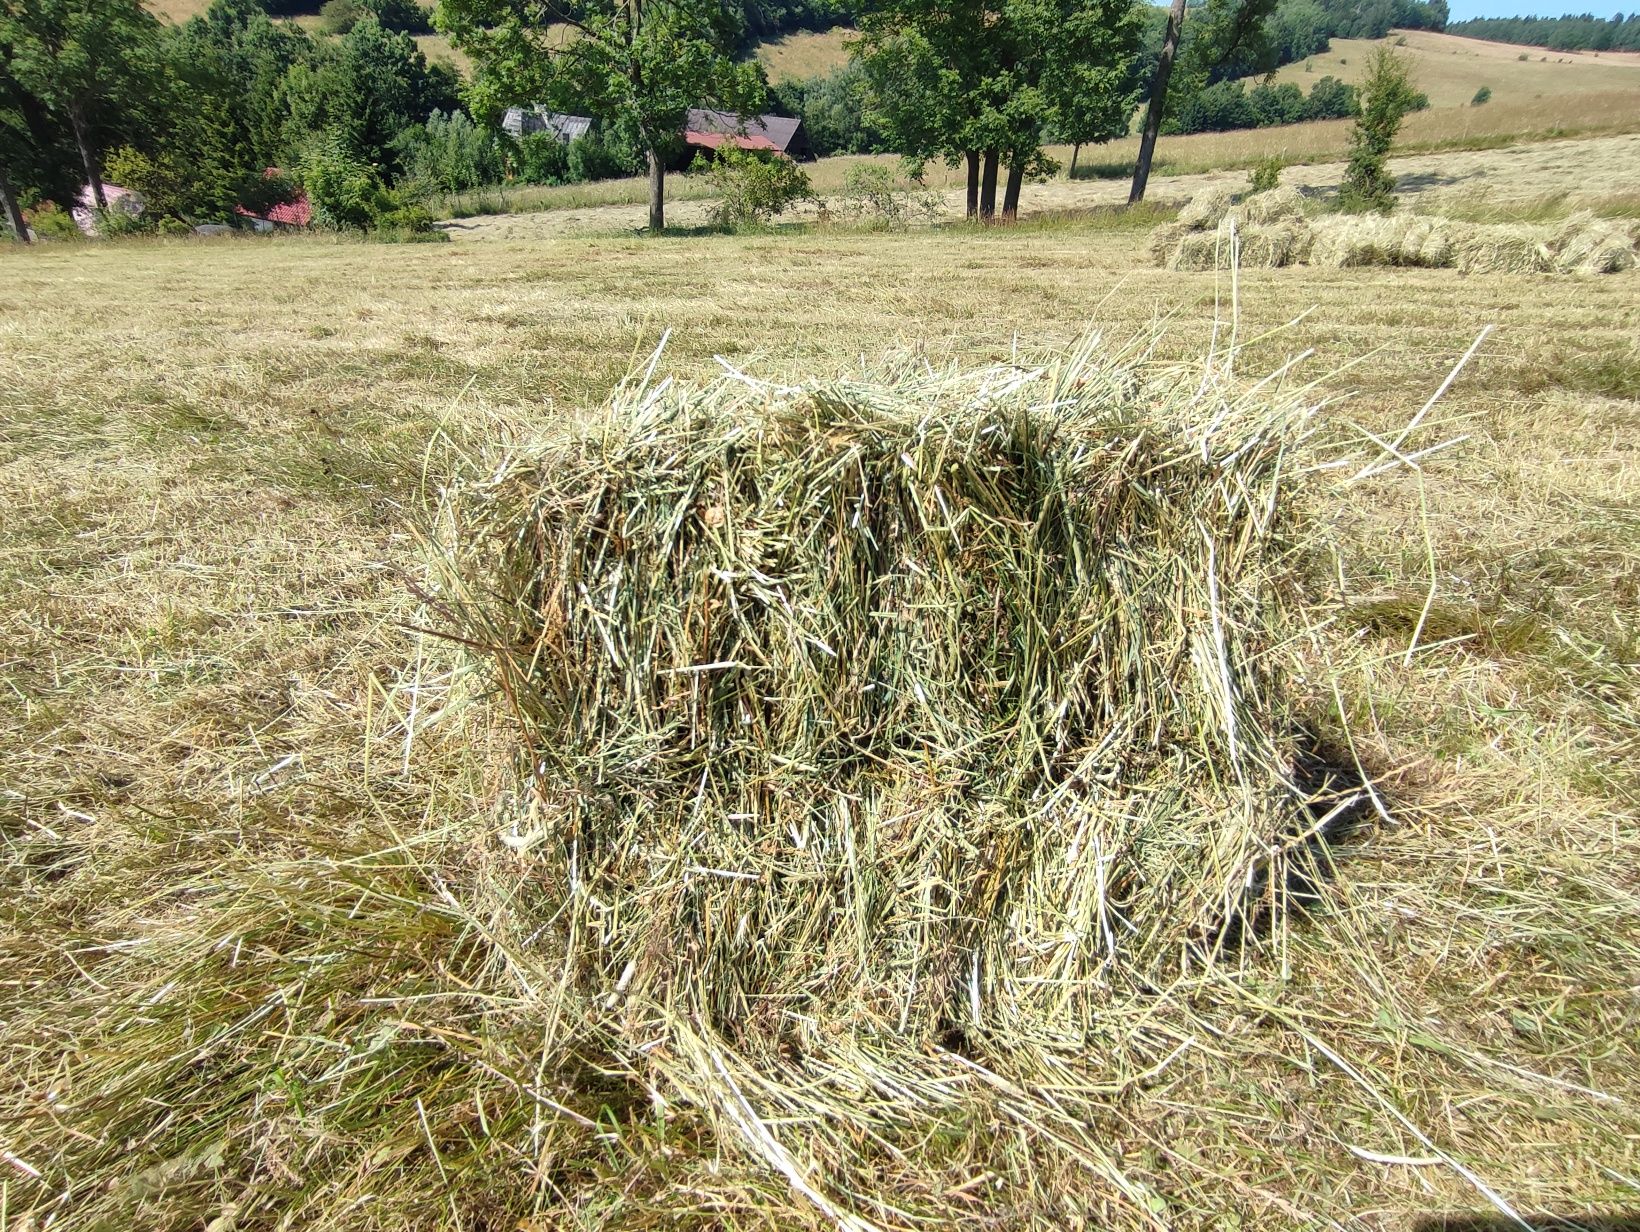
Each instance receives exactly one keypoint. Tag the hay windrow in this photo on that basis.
(1271, 230)
(859, 719)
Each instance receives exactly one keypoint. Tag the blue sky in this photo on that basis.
(1463, 10)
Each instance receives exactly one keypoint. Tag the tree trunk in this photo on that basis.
(657, 192)
(1076, 153)
(88, 156)
(1010, 196)
(973, 184)
(988, 188)
(14, 212)
(1158, 98)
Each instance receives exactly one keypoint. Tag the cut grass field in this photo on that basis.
(254, 967)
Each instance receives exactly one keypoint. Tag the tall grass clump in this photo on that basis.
(881, 745)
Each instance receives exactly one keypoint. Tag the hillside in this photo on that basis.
(806, 53)
(1450, 69)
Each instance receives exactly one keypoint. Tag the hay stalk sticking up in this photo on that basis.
(856, 720)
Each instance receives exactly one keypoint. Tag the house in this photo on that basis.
(522, 121)
(84, 209)
(297, 212)
(710, 130)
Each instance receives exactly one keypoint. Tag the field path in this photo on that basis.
(1588, 167)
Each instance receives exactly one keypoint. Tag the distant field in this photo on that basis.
(804, 54)
(1451, 69)
(437, 47)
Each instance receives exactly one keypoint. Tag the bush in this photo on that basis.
(540, 158)
(403, 15)
(339, 16)
(449, 154)
(342, 190)
(1331, 99)
(1266, 175)
(601, 156)
(1482, 96)
(173, 227)
(753, 186)
(49, 221)
(1386, 97)
(874, 195)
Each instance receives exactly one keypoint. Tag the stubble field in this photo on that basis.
(248, 976)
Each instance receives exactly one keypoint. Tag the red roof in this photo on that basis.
(713, 140)
(297, 212)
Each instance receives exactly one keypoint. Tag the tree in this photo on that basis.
(1158, 102)
(1229, 37)
(373, 85)
(1386, 97)
(640, 64)
(77, 57)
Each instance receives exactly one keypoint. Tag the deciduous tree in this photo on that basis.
(79, 58)
(641, 64)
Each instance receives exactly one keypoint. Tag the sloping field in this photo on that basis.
(807, 53)
(1451, 69)
(261, 958)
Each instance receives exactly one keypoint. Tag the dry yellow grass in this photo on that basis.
(248, 967)
(808, 53)
(1450, 69)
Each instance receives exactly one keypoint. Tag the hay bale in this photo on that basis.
(998, 630)
(1267, 247)
(853, 718)
(1344, 241)
(1585, 244)
(1208, 208)
(1274, 205)
(1286, 242)
(1200, 250)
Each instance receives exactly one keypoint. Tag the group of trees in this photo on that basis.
(193, 116)
(1227, 105)
(980, 83)
(1578, 32)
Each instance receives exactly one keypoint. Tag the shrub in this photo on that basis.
(405, 15)
(342, 190)
(540, 158)
(49, 221)
(873, 194)
(1482, 96)
(753, 187)
(449, 153)
(601, 156)
(173, 227)
(339, 16)
(1331, 99)
(1266, 175)
(1386, 97)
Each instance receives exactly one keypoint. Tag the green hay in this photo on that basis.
(857, 720)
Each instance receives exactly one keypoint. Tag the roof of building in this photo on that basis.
(521, 121)
(297, 212)
(712, 129)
